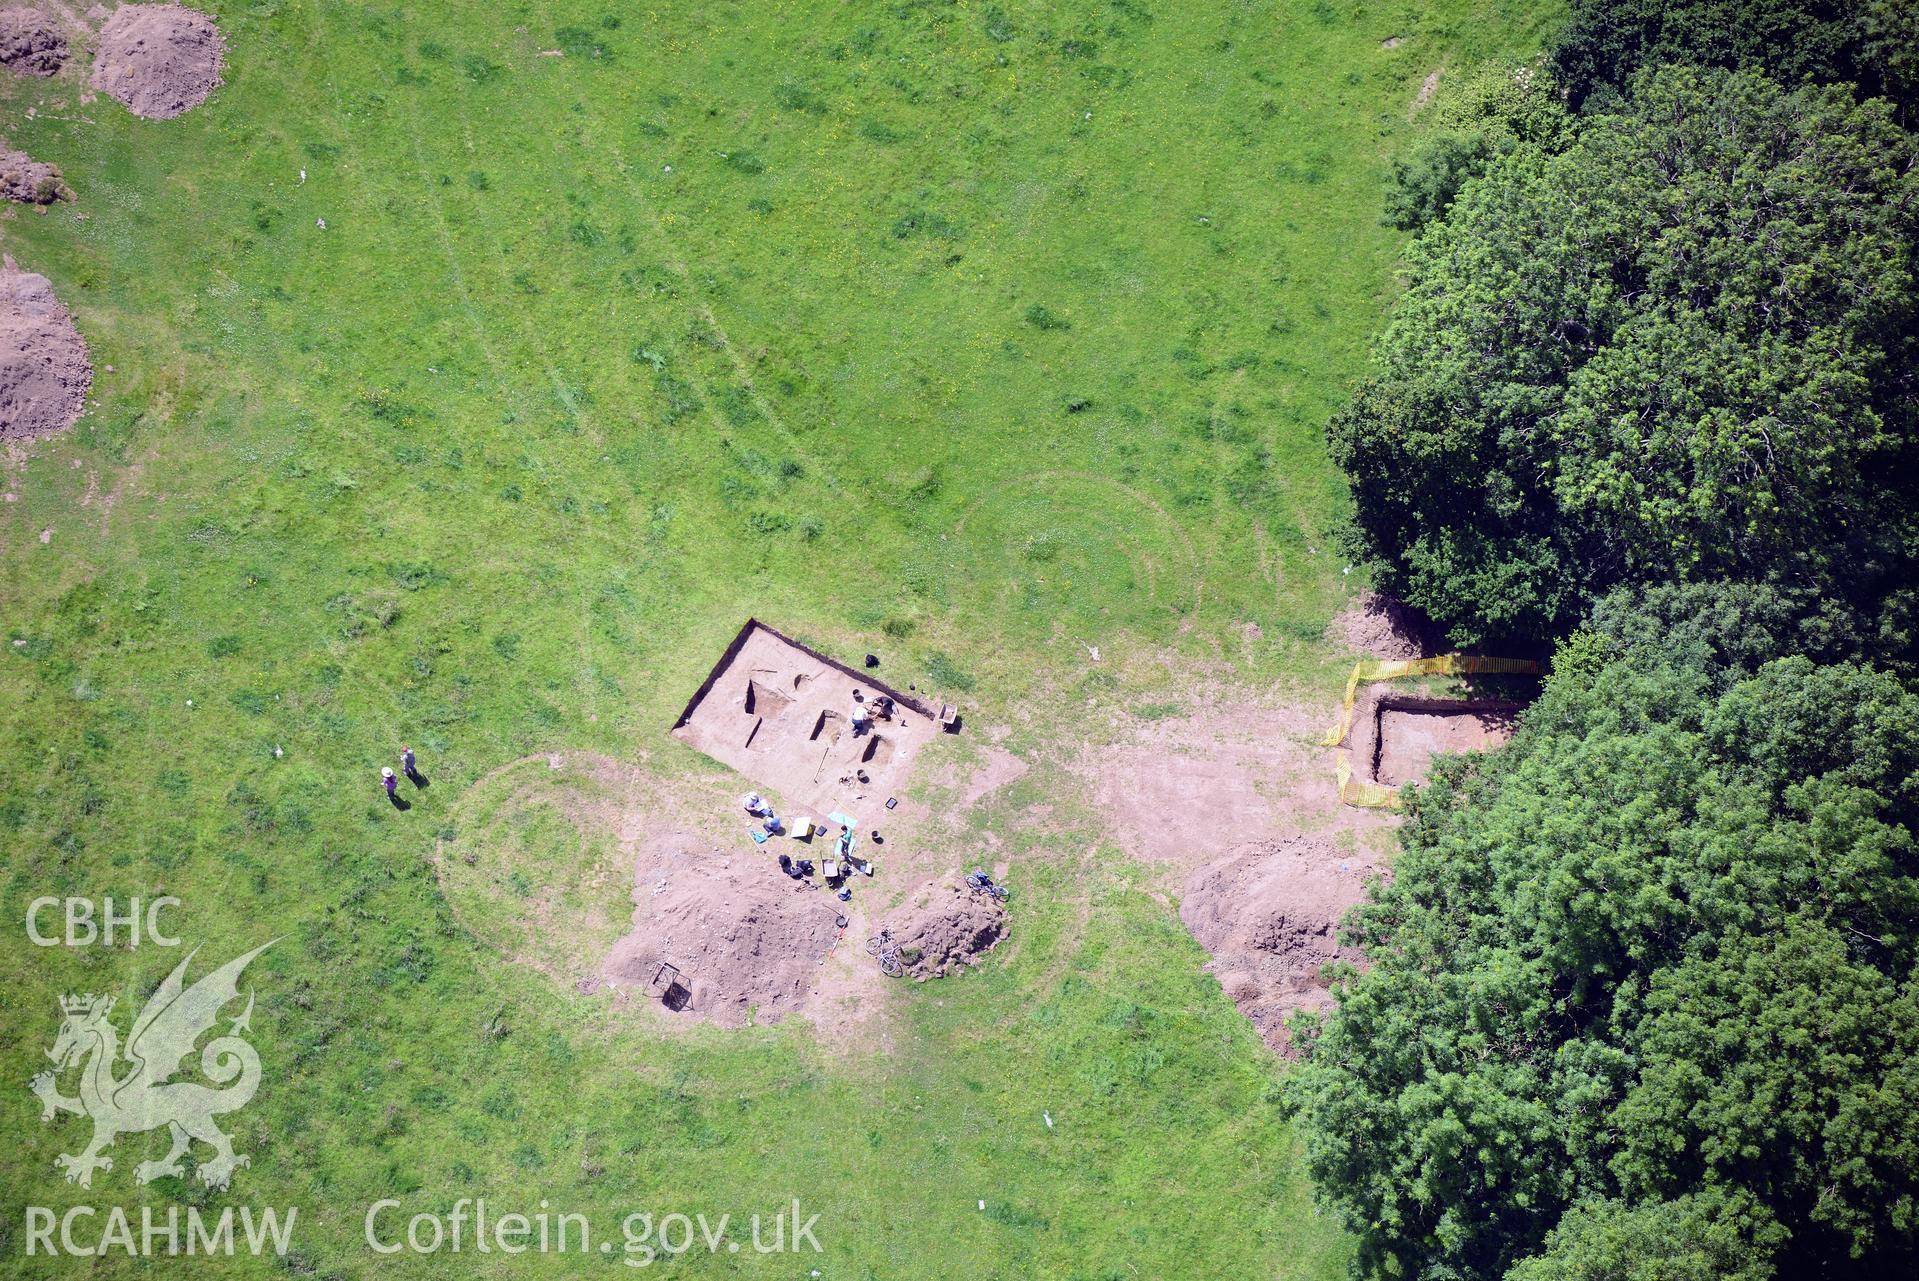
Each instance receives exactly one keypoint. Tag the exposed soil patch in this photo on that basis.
(1386, 628)
(158, 59)
(1427, 88)
(1396, 736)
(31, 44)
(1269, 913)
(1187, 789)
(1236, 800)
(647, 893)
(723, 939)
(27, 181)
(945, 926)
(44, 370)
(819, 735)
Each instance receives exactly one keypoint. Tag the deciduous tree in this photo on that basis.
(1682, 349)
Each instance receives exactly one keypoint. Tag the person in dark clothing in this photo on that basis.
(408, 765)
(391, 783)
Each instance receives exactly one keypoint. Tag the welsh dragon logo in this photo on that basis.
(145, 1097)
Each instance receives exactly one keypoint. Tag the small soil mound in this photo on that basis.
(1269, 913)
(725, 939)
(1386, 628)
(44, 370)
(28, 182)
(30, 43)
(945, 926)
(158, 59)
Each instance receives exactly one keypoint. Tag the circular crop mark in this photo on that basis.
(535, 867)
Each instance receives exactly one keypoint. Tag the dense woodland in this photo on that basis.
(1643, 993)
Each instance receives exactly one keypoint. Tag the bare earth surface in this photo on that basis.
(945, 926)
(1269, 913)
(638, 872)
(1185, 790)
(1000, 768)
(31, 43)
(1409, 739)
(44, 369)
(160, 60)
(784, 720)
(1232, 800)
(1238, 801)
(1427, 88)
(28, 181)
(1382, 627)
(744, 943)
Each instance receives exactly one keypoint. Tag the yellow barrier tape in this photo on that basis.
(1377, 795)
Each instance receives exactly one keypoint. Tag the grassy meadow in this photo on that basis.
(972, 334)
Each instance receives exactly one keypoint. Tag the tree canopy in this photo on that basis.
(1644, 988)
(1867, 42)
(1680, 349)
(1489, 112)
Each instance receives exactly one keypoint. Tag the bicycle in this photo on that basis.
(981, 883)
(882, 948)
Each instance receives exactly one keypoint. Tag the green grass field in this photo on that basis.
(971, 332)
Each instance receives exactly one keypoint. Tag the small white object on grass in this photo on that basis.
(1094, 651)
(303, 175)
(982, 1205)
(189, 702)
(320, 223)
(1049, 1119)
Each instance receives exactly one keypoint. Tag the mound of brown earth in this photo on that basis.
(1386, 628)
(44, 370)
(30, 43)
(727, 939)
(158, 59)
(1269, 914)
(944, 926)
(27, 181)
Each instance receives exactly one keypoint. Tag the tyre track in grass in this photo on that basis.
(367, 680)
(583, 683)
(664, 243)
